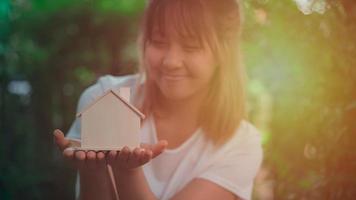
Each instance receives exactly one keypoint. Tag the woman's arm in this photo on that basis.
(201, 189)
(94, 178)
(95, 182)
(130, 180)
(132, 184)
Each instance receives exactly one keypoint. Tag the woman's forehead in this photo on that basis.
(176, 17)
(175, 32)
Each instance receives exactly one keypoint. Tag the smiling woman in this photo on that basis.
(210, 58)
(178, 69)
(196, 142)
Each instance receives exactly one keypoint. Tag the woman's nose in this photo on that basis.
(173, 58)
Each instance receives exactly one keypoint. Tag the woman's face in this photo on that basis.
(181, 67)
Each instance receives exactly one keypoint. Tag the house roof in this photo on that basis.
(135, 110)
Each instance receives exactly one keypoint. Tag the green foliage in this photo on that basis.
(59, 48)
(306, 64)
(129, 8)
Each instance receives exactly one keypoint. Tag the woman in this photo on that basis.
(196, 143)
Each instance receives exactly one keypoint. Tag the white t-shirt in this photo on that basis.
(232, 166)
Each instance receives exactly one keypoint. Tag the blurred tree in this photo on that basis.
(58, 48)
(307, 63)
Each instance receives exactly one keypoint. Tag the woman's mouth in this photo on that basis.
(173, 77)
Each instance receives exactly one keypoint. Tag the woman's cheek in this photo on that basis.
(154, 57)
(153, 66)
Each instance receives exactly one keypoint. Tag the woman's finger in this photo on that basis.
(147, 155)
(158, 148)
(79, 159)
(124, 156)
(100, 158)
(60, 140)
(133, 160)
(79, 155)
(91, 159)
(68, 154)
(137, 153)
(112, 157)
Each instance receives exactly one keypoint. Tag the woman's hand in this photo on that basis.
(128, 160)
(80, 160)
(95, 182)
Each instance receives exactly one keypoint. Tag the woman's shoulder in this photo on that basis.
(247, 129)
(234, 165)
(246, 137)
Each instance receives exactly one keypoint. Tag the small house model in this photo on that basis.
(110, 122)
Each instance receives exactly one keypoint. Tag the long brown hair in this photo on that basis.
(218, 23)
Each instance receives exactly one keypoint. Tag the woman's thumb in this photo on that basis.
(159, 147)
(60, 140)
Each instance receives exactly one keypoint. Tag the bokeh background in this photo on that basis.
(301, 60)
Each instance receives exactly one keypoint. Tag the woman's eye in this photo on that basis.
(190, 47)
(159, 43)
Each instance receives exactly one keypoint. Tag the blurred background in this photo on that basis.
(301, 60)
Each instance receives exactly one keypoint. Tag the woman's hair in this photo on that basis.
(219, 24)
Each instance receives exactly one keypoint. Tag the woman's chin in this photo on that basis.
(176, 95)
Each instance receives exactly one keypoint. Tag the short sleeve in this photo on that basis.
(236, 164)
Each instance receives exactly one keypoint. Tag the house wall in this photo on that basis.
(110, 124)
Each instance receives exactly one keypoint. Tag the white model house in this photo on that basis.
(111, 122)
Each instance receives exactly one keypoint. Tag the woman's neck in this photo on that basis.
(175, 120)
(182, 110)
